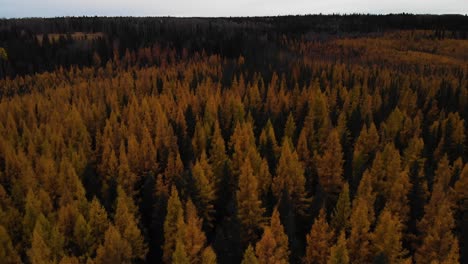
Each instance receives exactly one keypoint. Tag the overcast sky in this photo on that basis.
(52, 8)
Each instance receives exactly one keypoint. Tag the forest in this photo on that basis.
(318, 139)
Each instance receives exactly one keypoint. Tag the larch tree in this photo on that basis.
(205, 184)
(273, 246)
(250, 211)
(82, 236)
(180, 255)
(438, 239)
(195, 238)
(319, 241)
(330, 165)
(8, 253)
(98, 222)
(360, 236)
(366, 193)
(249, 256)
(342, 211)
(339, 252)
(290, 177)
(208, 256)
(127, 225)
(114, 249)
(173, 225)
(218, 157)
(268, 144)
(387, 238)
(125, 178)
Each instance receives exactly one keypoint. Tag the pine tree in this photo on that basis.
(339, 252)
(319, 241)
(249, 256)
(250, 211)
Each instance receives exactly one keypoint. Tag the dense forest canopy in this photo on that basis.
(296, 139)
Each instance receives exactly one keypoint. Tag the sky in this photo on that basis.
(224, 8)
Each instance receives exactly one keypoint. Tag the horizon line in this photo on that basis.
(255, 16)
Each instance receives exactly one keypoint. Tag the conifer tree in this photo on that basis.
(126, 178)
(98, 223)
(342, 212)
(8, 253)
(387, 238)
(360, 236)
(339, 252)
(290, 177)
(438, 240)
(319, 241)
(127, 225)
(173, 225)
(205, 184)
(114, 249)
(273, 246)
(330, 165)
(195, 238)
(180, 255)
(208, 256)
(82, 235)
(249, 256)
(250, 211)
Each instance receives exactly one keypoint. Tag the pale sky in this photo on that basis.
(204, 8)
